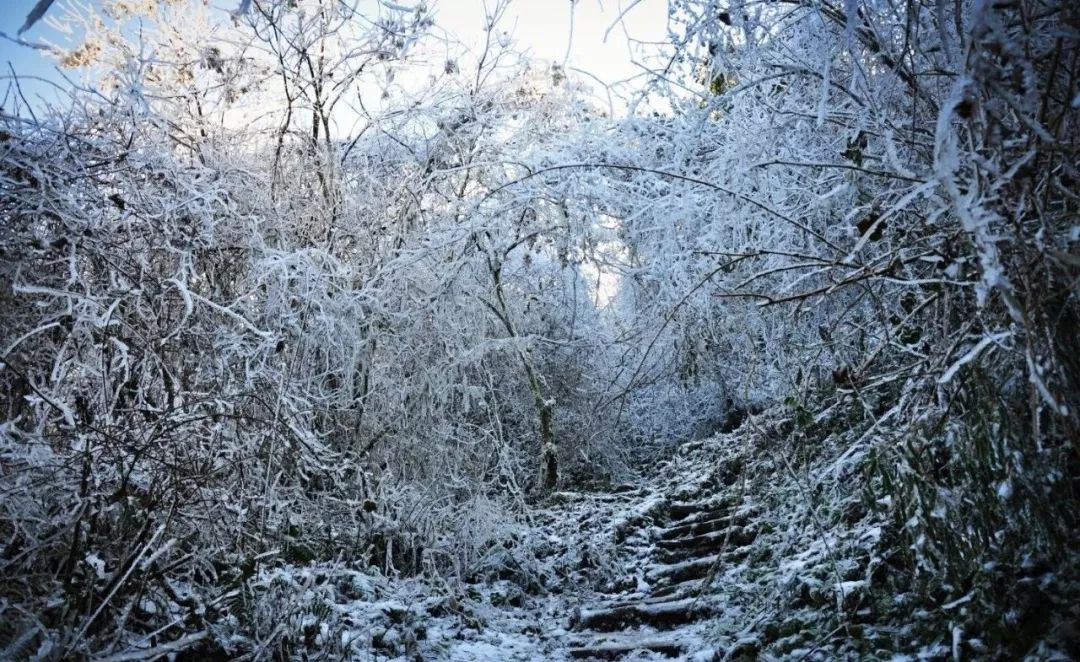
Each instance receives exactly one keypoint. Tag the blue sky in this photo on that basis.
(540, 26)
(26, 61)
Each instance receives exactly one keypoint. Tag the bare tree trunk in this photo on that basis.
(549, 461)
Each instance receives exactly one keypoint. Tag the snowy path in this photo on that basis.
(668, 541)
(691, 563)
(681, 558)
(712, 556)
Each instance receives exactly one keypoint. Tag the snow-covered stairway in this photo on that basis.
(700, 527)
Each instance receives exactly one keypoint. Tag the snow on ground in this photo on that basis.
(718, 554)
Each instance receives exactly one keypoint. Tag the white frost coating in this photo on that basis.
(393, 6)
(893, 156)
(971, 354)
(900, 206)
(29, 334)
(945, 153)
(96, 562)
(388, 314)
(846, 588)
(823, 101)
(189, 305)
(1005, 490)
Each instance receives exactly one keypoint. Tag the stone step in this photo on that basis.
(678, 556)
(689, 588)
(635, 600)
(684, 510)
(613, 649)
(681, 572)
(694, 568)
(697, 527)
(663, 615)
(729, 537)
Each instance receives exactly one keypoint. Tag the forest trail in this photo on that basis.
(367, 331)
(681, 552)
(725, 551)
(641, 569)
